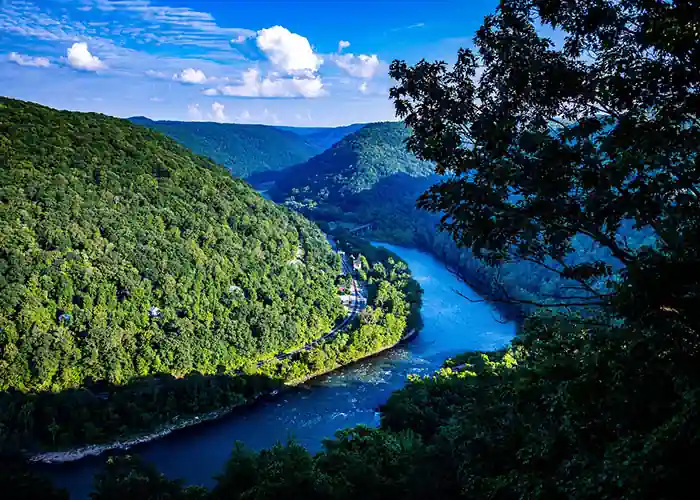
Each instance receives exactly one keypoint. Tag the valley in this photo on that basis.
(316, 410)
(148, 306)
(483, 287)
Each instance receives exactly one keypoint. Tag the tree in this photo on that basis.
(18, 481)
(129, 477)
(544, 143)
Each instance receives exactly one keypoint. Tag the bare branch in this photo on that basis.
(530, 302)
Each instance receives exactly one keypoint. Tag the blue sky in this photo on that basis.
(312, 63)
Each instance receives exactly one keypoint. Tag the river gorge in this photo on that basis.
(344, 398)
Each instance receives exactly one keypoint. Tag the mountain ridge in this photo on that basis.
(352, 165)
(243, 149)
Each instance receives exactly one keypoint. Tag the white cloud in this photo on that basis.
(138, 21)
(80, 58)
(194, 112)
(294, 70)
(22, 60)
(343, 44)
(255, 85)
(156, 99)
(156, 74)
(288, 51)
(360, 66)
(240, 39)
(183, 26)
(270, 117)
(363, 88)
(218, 112)
(409, 27)
(190, 75)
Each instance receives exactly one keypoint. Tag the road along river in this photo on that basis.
(344, 398)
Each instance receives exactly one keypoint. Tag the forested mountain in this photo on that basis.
(597, 406)
(324, 137)
(356, 163)
(123, 255)
(243, 149)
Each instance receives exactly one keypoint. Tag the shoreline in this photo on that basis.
(75, 454)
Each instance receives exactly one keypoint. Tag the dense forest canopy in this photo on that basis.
(104, 413)
(547, 144)
(356, 163)
(324, 137)
(123, 255)
(243, 149)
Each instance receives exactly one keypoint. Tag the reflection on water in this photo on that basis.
(345, 398)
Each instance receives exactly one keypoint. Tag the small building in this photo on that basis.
(356, 263)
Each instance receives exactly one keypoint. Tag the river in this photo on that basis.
(345, 398)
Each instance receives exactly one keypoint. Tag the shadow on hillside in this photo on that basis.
(326, 162)
(102, 412)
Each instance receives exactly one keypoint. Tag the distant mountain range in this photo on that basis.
(250, 149)
(324, 137)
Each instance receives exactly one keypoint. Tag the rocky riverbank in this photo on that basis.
(180, 423)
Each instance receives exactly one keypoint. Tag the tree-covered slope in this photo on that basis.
(122, 254)
(356, 163)
(324, 137)
(243, 149)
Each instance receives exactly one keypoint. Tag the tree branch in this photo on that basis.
(529, 302)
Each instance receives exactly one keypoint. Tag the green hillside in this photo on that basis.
(324, 137)
(243, 149)
(124, 255)
(356, 163)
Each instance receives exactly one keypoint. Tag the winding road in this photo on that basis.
(356, 306)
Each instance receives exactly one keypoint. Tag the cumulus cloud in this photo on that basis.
(343, 44)
(80, 58)
(360, 66)
(294, 71)
(288, 51)
(194, 112)
(191, 75)
(22, 60)
(218, 112)
(256, 85)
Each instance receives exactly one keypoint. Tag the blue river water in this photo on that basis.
(345, 398)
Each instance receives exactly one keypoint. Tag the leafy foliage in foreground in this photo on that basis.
(243, 149)
(602, 406)
(541, 419)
